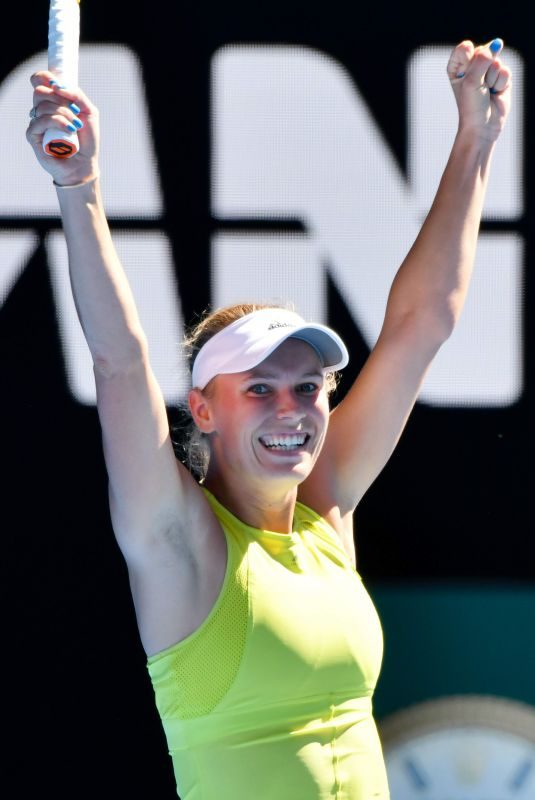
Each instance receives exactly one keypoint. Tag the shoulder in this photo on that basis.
(329, 524)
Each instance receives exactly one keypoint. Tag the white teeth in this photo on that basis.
(284, 441)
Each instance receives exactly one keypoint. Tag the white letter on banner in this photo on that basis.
(293, 139)
(131, 189)
(481, 364)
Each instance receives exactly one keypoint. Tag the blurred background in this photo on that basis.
(263, 151)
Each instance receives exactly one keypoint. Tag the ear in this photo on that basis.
(201, 411)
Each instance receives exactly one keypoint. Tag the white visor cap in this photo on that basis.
(246, 342)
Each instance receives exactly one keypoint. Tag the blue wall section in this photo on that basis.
(455, 639)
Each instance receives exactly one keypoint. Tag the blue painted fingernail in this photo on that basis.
(74, 108)
(71, 127)
(78, 122)
(496, 45)
(53, 83)
(460, 75)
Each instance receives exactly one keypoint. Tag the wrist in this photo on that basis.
(85, 182)
(76, 171)
(482, 140)
(472, 147)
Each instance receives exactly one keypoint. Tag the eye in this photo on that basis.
(258, 388)
(307, 388)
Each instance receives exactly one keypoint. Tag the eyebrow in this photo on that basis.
(261, 373)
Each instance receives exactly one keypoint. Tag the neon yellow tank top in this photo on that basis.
(271, 697)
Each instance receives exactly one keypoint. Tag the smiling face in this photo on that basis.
(269, 423)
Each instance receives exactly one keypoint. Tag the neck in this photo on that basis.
(260, 506)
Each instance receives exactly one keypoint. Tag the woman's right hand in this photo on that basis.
(56, 108)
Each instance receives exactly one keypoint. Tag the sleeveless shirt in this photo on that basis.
(271, 697)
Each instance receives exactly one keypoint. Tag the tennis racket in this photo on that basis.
(63, 45)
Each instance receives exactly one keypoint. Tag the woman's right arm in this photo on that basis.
(161, 519)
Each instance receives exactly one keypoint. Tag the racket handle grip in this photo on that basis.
(61, 144)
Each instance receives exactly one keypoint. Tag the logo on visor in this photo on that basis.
(273, 325)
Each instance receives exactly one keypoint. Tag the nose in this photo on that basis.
(289, 406)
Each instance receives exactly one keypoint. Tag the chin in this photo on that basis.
(295, 473)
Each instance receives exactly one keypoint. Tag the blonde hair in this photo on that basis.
(193, 450)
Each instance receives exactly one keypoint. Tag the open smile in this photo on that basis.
(285, 442)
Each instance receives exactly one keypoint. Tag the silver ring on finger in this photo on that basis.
(33, 113)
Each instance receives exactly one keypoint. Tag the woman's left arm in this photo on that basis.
(427, 294)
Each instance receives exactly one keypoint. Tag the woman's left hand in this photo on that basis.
(482, 88)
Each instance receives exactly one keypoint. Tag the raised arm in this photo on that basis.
(427, 294)
(155, 504)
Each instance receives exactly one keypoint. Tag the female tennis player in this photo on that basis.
(263, 646)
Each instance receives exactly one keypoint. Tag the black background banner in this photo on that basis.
(453, 504)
